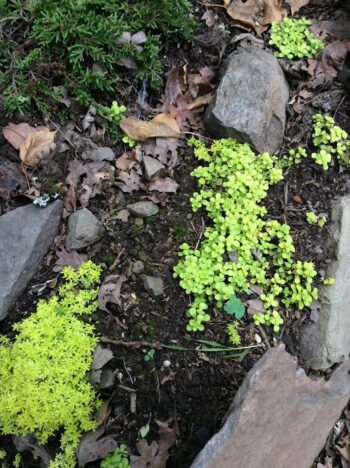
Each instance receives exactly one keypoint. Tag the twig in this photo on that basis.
(200, 234)
(264, 337)
(116, 261)
(132, 344)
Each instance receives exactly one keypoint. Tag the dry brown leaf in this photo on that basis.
(156, 454)
(210, 18)
(339, 29)
(73, 259)
(166, 185)
(123, 215)
(256, 14)
(295, 5)
(255, 306)
(36, 146)
(128, 182)
(93, 447)
(126, 161)
(163, 125)
(16, 133)
(201, 101)
(109, 291)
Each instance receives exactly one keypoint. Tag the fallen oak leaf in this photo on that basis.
(36, 146)
(166, 185)
(16, 133)
(163, 125)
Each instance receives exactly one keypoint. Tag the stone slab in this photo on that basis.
(279, 417)
(26, 234)
(327, 341)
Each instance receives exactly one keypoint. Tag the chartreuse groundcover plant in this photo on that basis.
(293, 39)
(43, 372)
(242, 248)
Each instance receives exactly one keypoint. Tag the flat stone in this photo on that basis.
(101, 153)
(153, 167)
(250, 102)
(279, 417)
(327, 341)
(154, 286)
(26, 235)
(83, 229)
(143, 209)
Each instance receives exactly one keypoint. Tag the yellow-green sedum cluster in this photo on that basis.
(293, 39)
(43, 372)
(241, 248)
(329, 139)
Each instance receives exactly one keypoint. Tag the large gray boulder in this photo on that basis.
(26, 234)
(250, 102)
(327, 341)
(279, 417)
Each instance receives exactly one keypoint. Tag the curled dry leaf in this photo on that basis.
(163, 125)
(92, 447)
(16, 133)
(255, 306)
(256, 14)
(36, 146)
(73, 259)
(10, 179)
(126, 161)
(156, 454)
(295, 5)
(129, 181)
(110, 291)
(123, 215)
(101, 357)
(166, 185)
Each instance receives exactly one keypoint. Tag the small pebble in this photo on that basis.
(138, 222)
(166, 363)
(257, 338)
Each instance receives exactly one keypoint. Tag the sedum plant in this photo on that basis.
(293, 39)
(43, 372)
(329, 139)
(233, 184)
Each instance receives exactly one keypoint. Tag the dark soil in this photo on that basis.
(197, 389)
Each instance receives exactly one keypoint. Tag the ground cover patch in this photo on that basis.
(152, 382)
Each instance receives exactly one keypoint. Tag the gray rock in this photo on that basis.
(250, 102)
(144, 209)
(327, 341)
(26, 235)
(101, 153)
(83, 229)
(279, 417)
(153, 167)
(154, 286)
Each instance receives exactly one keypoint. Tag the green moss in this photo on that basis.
(53, 47)
(43, 372)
